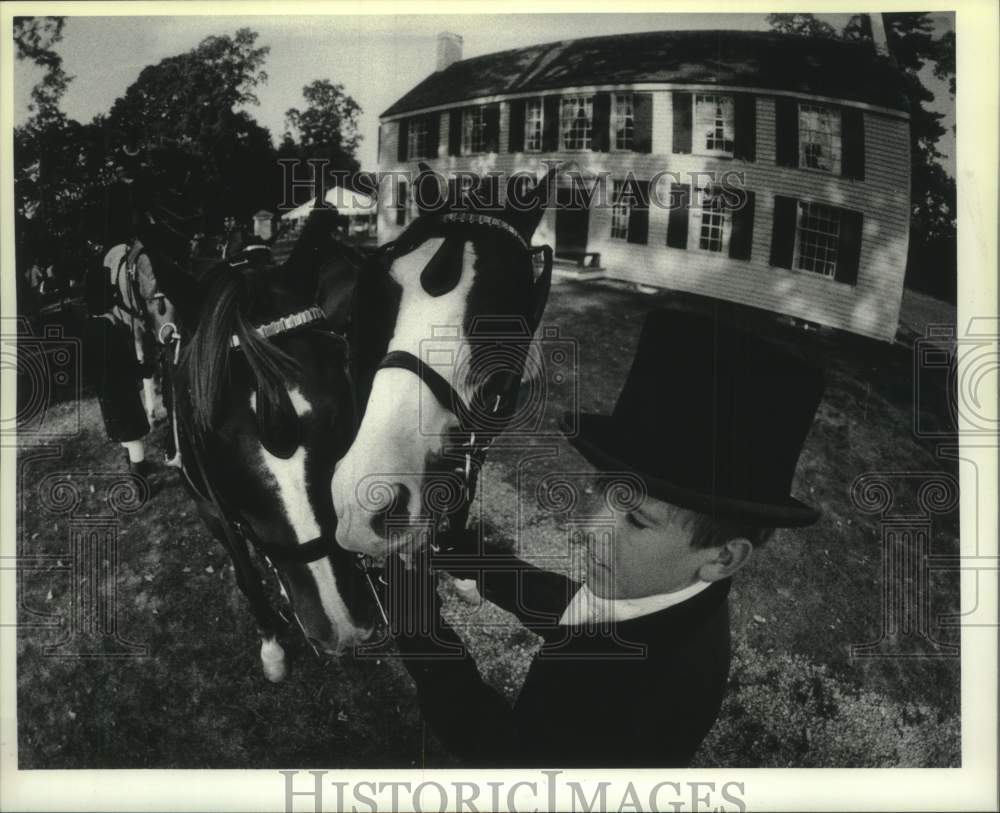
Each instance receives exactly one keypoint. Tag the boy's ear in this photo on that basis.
(730, 558)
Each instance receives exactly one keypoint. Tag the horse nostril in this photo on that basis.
(397, 511)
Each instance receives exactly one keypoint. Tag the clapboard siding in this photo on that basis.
(871, 307)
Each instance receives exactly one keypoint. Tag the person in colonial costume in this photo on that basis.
(634, 662)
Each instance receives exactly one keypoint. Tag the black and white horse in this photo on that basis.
(264, 409)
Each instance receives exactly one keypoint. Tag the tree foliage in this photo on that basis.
(327, 128)
(34, 38)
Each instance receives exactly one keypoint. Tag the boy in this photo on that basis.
(634, 663)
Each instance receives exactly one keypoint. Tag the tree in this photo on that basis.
(182, 136)
(807, 25)
(326, 129)
(34, 38)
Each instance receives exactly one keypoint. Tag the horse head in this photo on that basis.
(459, 296)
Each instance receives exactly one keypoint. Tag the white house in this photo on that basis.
(816, 130)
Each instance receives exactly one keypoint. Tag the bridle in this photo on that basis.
(483, 419)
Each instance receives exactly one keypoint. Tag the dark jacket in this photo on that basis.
(637, 693)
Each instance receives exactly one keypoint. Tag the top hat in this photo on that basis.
(712, 418)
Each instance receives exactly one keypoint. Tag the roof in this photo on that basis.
(846, 70)
(348, 203)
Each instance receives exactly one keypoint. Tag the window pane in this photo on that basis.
(620, 208)
(417, 141)
(713, 218)
(533, 125)
(819, 138)
(474, 130)
(713, 124)
(624, 122)
(575, 116)
(817, 238)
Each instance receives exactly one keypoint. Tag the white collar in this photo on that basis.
(587, 607)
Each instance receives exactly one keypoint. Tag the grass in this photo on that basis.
(199, 700)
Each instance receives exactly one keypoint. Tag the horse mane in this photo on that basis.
(231, 296)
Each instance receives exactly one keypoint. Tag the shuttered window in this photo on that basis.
(575, 122)
(819, 138)
(817, 238)
(714, 125)
(623, 122)
(714, 221)
(630, 211)
(418, 139)
(619, 212)
(474, 130)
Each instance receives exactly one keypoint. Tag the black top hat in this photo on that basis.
(713, 418)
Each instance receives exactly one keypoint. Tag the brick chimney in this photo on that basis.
(449, 49)
(878, 35)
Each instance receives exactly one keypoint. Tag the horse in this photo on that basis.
(264, 409)
(460, 293)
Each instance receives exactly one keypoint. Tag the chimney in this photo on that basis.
(449, 49)
(878, 35)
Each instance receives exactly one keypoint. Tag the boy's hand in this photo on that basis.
(468, 591)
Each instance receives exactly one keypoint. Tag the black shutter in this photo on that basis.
(515, 131)
(852, 137)
(677, 222)
(745, 115)
(642, 121)
(786, 213)
(682, 121)
(550, 133)
(491, 124)
(638, 217)
(455, 131)
(404, 137)
(401, 203)
(786, 126)
(433, 134)
(741, 237)
(600, 124)
(849, 247)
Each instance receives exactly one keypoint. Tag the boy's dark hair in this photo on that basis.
(708, 531)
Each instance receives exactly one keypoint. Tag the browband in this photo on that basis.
(285, 323)
(476, 219)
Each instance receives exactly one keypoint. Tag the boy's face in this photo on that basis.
(650, 553)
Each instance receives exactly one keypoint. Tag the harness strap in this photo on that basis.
(439, 386)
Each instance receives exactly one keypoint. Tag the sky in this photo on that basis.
(376, 58)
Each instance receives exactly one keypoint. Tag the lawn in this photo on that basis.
(197, 698)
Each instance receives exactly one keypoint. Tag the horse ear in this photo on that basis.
(526, 219)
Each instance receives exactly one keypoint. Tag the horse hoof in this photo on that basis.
(272, 659)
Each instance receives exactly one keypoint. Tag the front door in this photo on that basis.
(572, 220)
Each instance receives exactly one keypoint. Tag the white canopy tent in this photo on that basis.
(349, 203)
